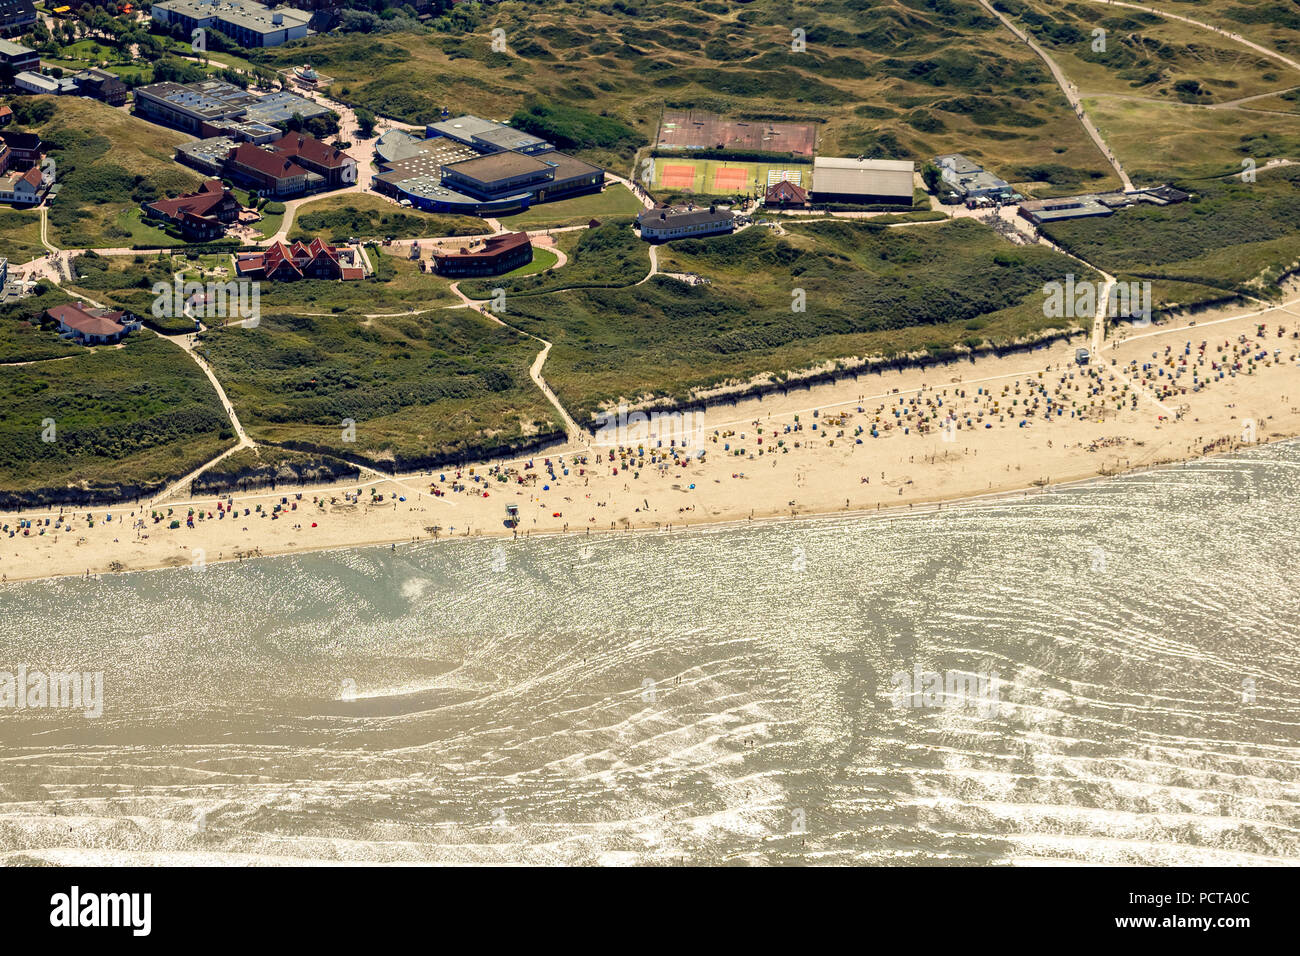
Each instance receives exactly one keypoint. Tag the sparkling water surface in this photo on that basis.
(707, 696)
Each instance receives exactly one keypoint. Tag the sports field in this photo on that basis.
(711, 177)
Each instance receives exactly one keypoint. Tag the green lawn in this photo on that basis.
(367, 216)
(108, 163)
(399, 285)
(613, 202)
(543, 259)
(609, 255)
(20, 235)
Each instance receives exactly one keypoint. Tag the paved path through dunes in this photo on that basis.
(1068, 89)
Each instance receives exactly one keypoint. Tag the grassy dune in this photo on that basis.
(108, 162)
(416, 388)
(867, 291)
(131, 417)
(903, 78)
(1234, 237)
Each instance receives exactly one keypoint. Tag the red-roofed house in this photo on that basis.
(91, 326)
(270, 173)
(331, 163)
(302, 260)
(497, 255)
(201, 215)
(21, 189)
(292, 164)
(785, 195)
(6, 115)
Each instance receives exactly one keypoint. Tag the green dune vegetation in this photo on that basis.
(107, 163)
(120, 421)
(867, 291)
(903, 79)
(415, 388)
(1232, 237)
(1145, 54)
(126, 282)
(366, 216)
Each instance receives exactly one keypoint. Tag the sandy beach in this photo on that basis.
(902, 439)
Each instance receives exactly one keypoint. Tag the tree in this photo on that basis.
(365, 123)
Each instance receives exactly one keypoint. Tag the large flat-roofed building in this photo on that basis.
(1040, 211)
(187, 106)
(444, 174)
(969, 180)
(207, 155)
(485, 136)
(496, 256)
(684, 222)
(18, 57)
(497, 176)
(209, 107)
(865, 182)
(244, 21)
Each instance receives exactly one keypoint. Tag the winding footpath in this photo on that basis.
(1068, 88)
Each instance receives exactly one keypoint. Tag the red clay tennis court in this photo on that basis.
(678, 177)
(730, 178)
(688, 129)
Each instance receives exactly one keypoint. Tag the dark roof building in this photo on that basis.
(25, 147)
(101, 85)
(497, 255)
(16, 16)
(200, 215)
(679, 222)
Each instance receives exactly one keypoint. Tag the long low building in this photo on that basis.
(213, 107)
(865, 182)
(248, 23)
(1040, 211)
(684, 222)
